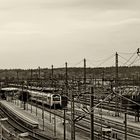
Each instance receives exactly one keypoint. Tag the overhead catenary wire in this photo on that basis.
(130, 58)
(122, 57)
(102, 61)
(121, 63)
(70, 64)
(137, 59)
(133, 61)
(107, 59)
(125, 53)
(126, 98)
(112, 93)
(76, 64)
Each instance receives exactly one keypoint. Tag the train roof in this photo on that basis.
(9, 89)
(50, 94)
(37, 93)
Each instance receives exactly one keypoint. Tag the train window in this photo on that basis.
(56, 98)
(114, 135)
(49, 99)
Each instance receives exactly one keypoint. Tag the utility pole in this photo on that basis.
(64, 123)
(85, 74)
(125, 122)
(103, 77)
(52, 76)
(72, 117)
(27, 95)
(42, 102)
(31, 75)
(17, 77)
(116, 85)
(36, 105)
(52, 85)
(17, 82)
(37, 97)
(39, 73)
(79, 89)
(66, 82)
(43, 111)
(92, 114)
(101, 122)
(31, 87)
(85, 79)
(22, 95)
(116, 81)
(54, 122)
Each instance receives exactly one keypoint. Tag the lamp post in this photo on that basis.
(1, 120)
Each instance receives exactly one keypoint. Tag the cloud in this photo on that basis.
(58, 30)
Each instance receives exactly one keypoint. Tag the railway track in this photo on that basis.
(108, 106)
(117, 127)
(133, 132)
(83, 126)
(15, 125)
(80, 126)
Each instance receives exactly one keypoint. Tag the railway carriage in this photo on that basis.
(52, 100)
(47, 96)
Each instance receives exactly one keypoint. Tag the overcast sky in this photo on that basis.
(44, 32)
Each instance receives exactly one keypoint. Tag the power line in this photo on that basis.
(133, 61)
(130, 58)
(122, 57)
(105, 60)
(121, 63)
(81, 61)
(125, 53)
(90, 62)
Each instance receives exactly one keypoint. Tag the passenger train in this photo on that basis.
(47, 96)
(48, 99)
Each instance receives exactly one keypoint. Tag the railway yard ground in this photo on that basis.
(39, 119)
(54, 128)
(48, 125)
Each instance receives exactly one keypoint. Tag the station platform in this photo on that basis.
(49, 126)
(19, 112)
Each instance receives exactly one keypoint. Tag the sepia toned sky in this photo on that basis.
(44, 32)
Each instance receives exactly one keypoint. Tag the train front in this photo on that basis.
(56, 101)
